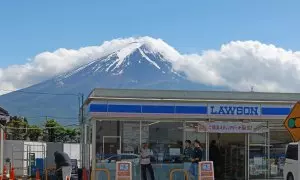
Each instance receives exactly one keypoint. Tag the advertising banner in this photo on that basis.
(124, 170)
(232, 127)
(206, 170)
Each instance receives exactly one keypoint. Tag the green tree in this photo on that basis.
(54, 132)
(16, 127)
(34, 132)
(72, 135)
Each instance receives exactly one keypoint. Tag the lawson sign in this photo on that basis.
(239, 110)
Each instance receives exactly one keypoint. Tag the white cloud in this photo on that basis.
(237, 65)
(48, 64)
(241, 64)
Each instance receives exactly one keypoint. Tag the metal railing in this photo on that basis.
(186, 176)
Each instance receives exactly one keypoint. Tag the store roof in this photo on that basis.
(192, 95)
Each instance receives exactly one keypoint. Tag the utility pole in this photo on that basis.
(82, 130)
(82, 110)
(2, 133)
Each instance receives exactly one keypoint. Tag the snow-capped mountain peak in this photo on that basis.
(124, 53)
(151, 45)
(132, 54)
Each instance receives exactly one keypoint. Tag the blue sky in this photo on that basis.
(30, 27)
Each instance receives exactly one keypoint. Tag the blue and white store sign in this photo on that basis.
(239, 110)
(138, 109)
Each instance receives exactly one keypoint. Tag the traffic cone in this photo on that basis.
(37, 174)
(12, 173)
(4, 172)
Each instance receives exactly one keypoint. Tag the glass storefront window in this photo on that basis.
(230, 153)
(258, 156)
(123, 140)
(165, 141)
(278, 142)
(118, 140)
(190, 133)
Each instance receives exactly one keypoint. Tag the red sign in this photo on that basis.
(4, 136)
(206, 170)
(124, 171)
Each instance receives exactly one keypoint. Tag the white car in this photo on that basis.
(134, 158)
(292, 163)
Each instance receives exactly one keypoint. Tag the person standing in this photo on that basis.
(196, 158)
(63, 165)
(215, 156)
(146, 163)
(188, 151)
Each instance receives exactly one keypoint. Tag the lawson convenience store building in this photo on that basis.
(247, 126)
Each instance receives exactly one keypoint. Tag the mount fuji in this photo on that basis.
(144, 63)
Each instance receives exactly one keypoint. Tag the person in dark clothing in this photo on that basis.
(197, 154)
(146, 154)
(63, 164)
(215, 156)
(188, 151)
(196, 158)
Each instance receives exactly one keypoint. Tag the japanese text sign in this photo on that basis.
(206, 170)
(124, 170)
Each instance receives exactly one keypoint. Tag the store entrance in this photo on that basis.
(228, 153)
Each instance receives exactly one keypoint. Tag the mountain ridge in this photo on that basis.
(144, 64)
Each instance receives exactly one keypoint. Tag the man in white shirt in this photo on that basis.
(146, 163)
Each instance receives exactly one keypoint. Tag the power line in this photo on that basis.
(43, 93)
(28, 128)
(51, 117)
(79, 95)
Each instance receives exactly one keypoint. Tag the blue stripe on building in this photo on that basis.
(191, 110)
(98, 108)
(117, 108)
(279, 111)
(158, 109)
(172, 109)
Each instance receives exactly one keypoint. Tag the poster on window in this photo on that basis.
(124, 170)
(206, 170)
(232, 127)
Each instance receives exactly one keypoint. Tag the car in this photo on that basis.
(134, 158)
(291, 165)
